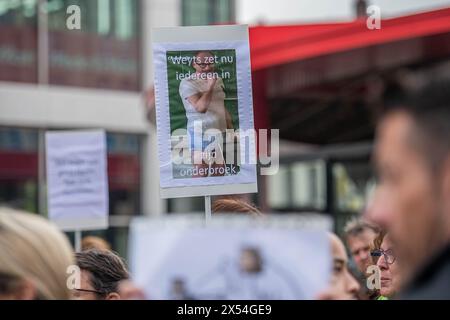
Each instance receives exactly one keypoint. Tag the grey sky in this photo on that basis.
(298, 11)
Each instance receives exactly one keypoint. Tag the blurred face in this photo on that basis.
(249, 262)
(406, 202)
(389, 272)
(359, 246)
(12, 288)
(178, 287)
(204, 62)
(342, 285)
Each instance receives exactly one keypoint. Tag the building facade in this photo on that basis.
(55, 78)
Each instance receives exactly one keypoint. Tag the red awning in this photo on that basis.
(276, 45)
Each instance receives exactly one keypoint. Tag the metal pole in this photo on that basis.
(207, 208)
(77, 240)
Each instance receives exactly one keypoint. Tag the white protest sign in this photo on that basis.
(204, 111)
(235, 258)
(77, 179)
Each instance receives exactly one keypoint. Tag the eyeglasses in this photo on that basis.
(389, 256)
(90, 291)
(204, 65)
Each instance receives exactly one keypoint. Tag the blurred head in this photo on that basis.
(178, 285)
(250, 260)
(101, 273)
(93, 242)
(412, 157)
(234, 205)
(360, 235)
(203, 62)
(343, 285)
(389, 271)
(34, 257)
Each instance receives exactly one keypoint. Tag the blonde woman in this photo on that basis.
(34, 257)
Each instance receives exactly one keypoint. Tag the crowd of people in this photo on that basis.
(400, 246)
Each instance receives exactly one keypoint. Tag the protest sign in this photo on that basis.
(204, 109)
(77, 181)
(234, 258)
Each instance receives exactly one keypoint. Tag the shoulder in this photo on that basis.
(433, 282)
(187, 83)
(188, 87)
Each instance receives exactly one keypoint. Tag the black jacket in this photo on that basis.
(433, 282)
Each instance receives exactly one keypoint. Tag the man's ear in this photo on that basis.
(113, 296)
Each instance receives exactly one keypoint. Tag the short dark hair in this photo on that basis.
(106, 269)
(429, 107)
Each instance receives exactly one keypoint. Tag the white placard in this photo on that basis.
(204, 111)
(77, 180)
(234, 259)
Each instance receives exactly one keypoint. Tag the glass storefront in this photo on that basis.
(18, 41)
(104, 53)
(19, 184)
(337, 182)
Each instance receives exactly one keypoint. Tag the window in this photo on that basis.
(18, 40)
(116, 18)
(279, 188)
(19, 168)
(298, 186)
(104, 53)
(124, 171)
(308, 185)
(205, 12)
(352, 185)
(353, 182)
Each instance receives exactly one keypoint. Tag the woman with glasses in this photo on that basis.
(384, 258)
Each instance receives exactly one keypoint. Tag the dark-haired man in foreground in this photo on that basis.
(412, 201)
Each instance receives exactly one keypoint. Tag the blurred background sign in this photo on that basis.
(77, 183)
(235, 258)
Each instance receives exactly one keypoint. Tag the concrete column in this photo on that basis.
(155, 13)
